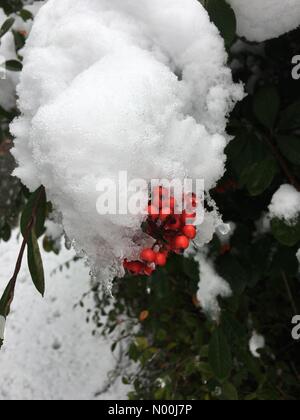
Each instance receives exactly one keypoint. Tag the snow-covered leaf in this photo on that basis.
(286, 234)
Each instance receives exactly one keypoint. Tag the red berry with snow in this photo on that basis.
(189, 231)
(148, 255)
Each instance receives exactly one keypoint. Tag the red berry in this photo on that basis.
(148, 255)
(161, 259)
(189, 231)
(135, 267)
(148, 271)
(181, 242)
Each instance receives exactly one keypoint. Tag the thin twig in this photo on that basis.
(289, 292)
(18, 266)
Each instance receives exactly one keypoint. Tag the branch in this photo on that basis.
(12, 283)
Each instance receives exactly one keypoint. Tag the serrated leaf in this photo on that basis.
(266, 105)
(7, 25)
(219, 356)
(223, 16)
(35, 263)
(259, 176)
(290, 148)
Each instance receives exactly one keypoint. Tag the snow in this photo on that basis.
(285, 204)
(49, 352)
(2, 327)
(260, 20)
(211, 287)
(257, 342)
(9, 80)
(110, 86)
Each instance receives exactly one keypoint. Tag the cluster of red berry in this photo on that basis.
(173, 232)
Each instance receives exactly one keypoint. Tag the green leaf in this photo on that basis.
(229, 392)
(6, 299)
(245, 150)
(288, 235)
(290, 117)
(7, 25)
(266, 105)
(222, 15)
(38, 200)
(5, 233)
(290, 148)
(259, 176)
(35, 263)
(13, 65)
(26, 15)
(219, 356)
(234, 273)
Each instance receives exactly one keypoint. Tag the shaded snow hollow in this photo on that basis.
(99, 94)
(49, 351)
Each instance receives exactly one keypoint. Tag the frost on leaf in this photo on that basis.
(111, 86)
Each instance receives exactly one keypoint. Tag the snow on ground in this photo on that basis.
(49, 351)
(259, 20)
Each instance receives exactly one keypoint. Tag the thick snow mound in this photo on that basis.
(118, 85)
(285, 204)
(259, 20)
(211, 287)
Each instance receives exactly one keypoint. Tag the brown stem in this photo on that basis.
(282, 162)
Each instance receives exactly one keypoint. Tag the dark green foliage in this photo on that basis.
(181, 353)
